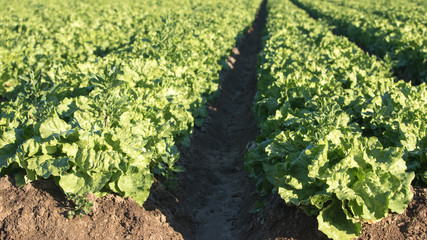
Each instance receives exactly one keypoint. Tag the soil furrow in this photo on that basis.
(215, 160)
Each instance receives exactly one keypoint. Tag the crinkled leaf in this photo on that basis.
(335, 224)
(136, 183)
(52, 126)
(80, 183)
(46, 165)
(91, 160)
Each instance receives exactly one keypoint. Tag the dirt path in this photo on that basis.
(218, 185)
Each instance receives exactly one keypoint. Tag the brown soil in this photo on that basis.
(279, 221)
(214, 195)
(412, 224)
(39, 210)
(284, 222)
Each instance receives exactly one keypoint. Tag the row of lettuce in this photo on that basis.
(339, 137)
(100, 93)
(394, 30)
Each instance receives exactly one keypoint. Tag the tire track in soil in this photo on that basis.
(215, 183)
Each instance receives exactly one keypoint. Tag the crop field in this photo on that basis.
(191, 119)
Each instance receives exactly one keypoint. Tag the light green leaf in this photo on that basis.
(79, 183)
(136, 183)
(46, 165)
(335, 224)
(53, 126)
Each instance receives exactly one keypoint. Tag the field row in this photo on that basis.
(103, 93)
(395, 31)
(339, 137)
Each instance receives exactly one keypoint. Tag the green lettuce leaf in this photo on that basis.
(53, 126)
(335, 224)
(136, 183)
